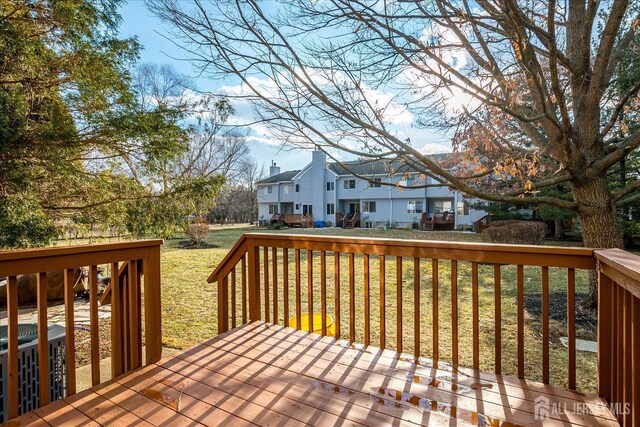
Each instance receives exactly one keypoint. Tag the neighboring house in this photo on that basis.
(322, 189)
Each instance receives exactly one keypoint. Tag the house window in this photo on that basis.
(369, 206)
(408, 182)
(441, 206)
(331, 208)
(286, 189)
(463, 208)
(273, 209)
(376, 183)
(330, 186)
(307, 209)
(297, 188)
(297, 207)
(349, 184)
(269, 189)
(415, 206)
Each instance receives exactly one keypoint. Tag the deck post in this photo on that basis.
(152, 306)
(254, 280)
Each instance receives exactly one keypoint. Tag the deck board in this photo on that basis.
(261, 374)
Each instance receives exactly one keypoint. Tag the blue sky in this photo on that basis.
(139, 22)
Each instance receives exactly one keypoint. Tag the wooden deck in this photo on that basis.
(260, 374)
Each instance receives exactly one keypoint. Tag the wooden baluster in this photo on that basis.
(605, 336)
(416, 307)
(383, 326)
(520, 285)
(571, 326)
(310, 288)
(233, 297)
(367, 302)
(12, 346)
(336, 280)
(627, 363)
(139, 271)
(545, 325)
(298, 291)
(152, 306)
(274, 271)
(352, 298)
(475, 315)
(285, 284)
(620, 347)
(134, 314)
(123, 276)
(616, 368)
(265, 275)
(497, 295)
(399, 303)
(253, 261)
(635, 363)
(223, 304)
(323, 290)
(434, 282)
(69, 343)
(243, 281)
(43, 339)
(454, 312)
(117, 363)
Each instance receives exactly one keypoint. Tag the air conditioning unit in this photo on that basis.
(28, 389)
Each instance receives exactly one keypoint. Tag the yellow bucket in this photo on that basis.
(317, 323)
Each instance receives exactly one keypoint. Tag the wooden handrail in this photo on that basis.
(265, 260)
(619, 333)
(232, 257)
(142, 259)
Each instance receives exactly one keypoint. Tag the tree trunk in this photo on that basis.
(558, 231)
(599, 222)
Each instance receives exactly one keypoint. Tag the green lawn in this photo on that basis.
(190, 309)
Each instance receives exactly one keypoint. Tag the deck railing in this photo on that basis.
(256, 282)
(129, 262)
(619, 333)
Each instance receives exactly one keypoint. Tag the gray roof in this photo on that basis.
(357, 167)
(375, 167)
(280, 177)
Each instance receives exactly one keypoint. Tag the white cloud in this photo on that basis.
(434, 148)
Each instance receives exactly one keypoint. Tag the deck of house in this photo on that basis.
(265, 368)
(262, 374)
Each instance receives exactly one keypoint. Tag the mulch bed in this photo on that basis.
(187, 244)
(83, 342)
(586, 321)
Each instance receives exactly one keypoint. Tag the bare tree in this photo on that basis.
(200, 144)
(238, 200)
(523, 87)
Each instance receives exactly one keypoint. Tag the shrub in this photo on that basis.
(197, 232)
(516, 232)
(504, 222)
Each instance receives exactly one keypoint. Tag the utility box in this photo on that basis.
(28, 391)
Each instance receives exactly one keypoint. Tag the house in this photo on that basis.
(323, 189)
